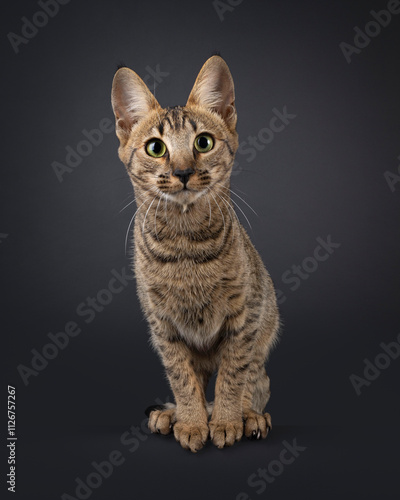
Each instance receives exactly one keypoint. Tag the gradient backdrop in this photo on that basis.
(331, 172)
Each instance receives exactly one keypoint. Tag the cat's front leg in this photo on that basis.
(191, 418)
(226, 424)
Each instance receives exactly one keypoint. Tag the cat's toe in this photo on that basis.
(191, 437)
(257, 425)
(225, 433)
(162, 421)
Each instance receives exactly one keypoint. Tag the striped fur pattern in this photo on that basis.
(208, 299)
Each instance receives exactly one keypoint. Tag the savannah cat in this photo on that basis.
(204, 290)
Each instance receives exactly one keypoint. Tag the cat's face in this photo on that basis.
(182, 152)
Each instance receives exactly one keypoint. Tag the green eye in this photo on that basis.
(204, 143)
(156, 148)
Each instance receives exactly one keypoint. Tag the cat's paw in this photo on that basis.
(257, 425)
(225, 433)
(191, 436)
(161, 420)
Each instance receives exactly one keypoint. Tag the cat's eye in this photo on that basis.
(204, 143)
(156, 148)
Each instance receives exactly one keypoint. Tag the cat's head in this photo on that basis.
(178, 152)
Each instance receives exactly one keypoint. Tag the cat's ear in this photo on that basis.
(131, 101)
(214, 90)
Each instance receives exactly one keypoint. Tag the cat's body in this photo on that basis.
(208, 299)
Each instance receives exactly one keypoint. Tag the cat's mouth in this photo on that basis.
(186, 195)
(185, 190)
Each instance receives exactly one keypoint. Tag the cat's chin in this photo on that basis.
(185, 197)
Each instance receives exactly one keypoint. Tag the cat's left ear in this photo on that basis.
(215, 91)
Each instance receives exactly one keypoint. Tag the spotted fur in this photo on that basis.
(203, 288)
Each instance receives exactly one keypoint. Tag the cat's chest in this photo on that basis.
(190, 296)
(183, 286)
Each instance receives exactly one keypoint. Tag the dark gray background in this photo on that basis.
(323, 175)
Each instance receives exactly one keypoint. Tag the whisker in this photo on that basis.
(165, 209)
(127, 231)
(139, 195)
(126, 206)
(228, 200)
(234, 202)
(144, 222)
(209, 220)
(219, 208)
(237, 189)
(229, 211)
(244, 201)
(244, 215)
(131, 193)
(155, 217)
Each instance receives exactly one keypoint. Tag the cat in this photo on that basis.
(208, 299)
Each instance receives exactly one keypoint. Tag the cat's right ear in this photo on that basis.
(131, 101)
(214, 90)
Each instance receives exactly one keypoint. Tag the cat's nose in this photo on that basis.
(183, 175)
